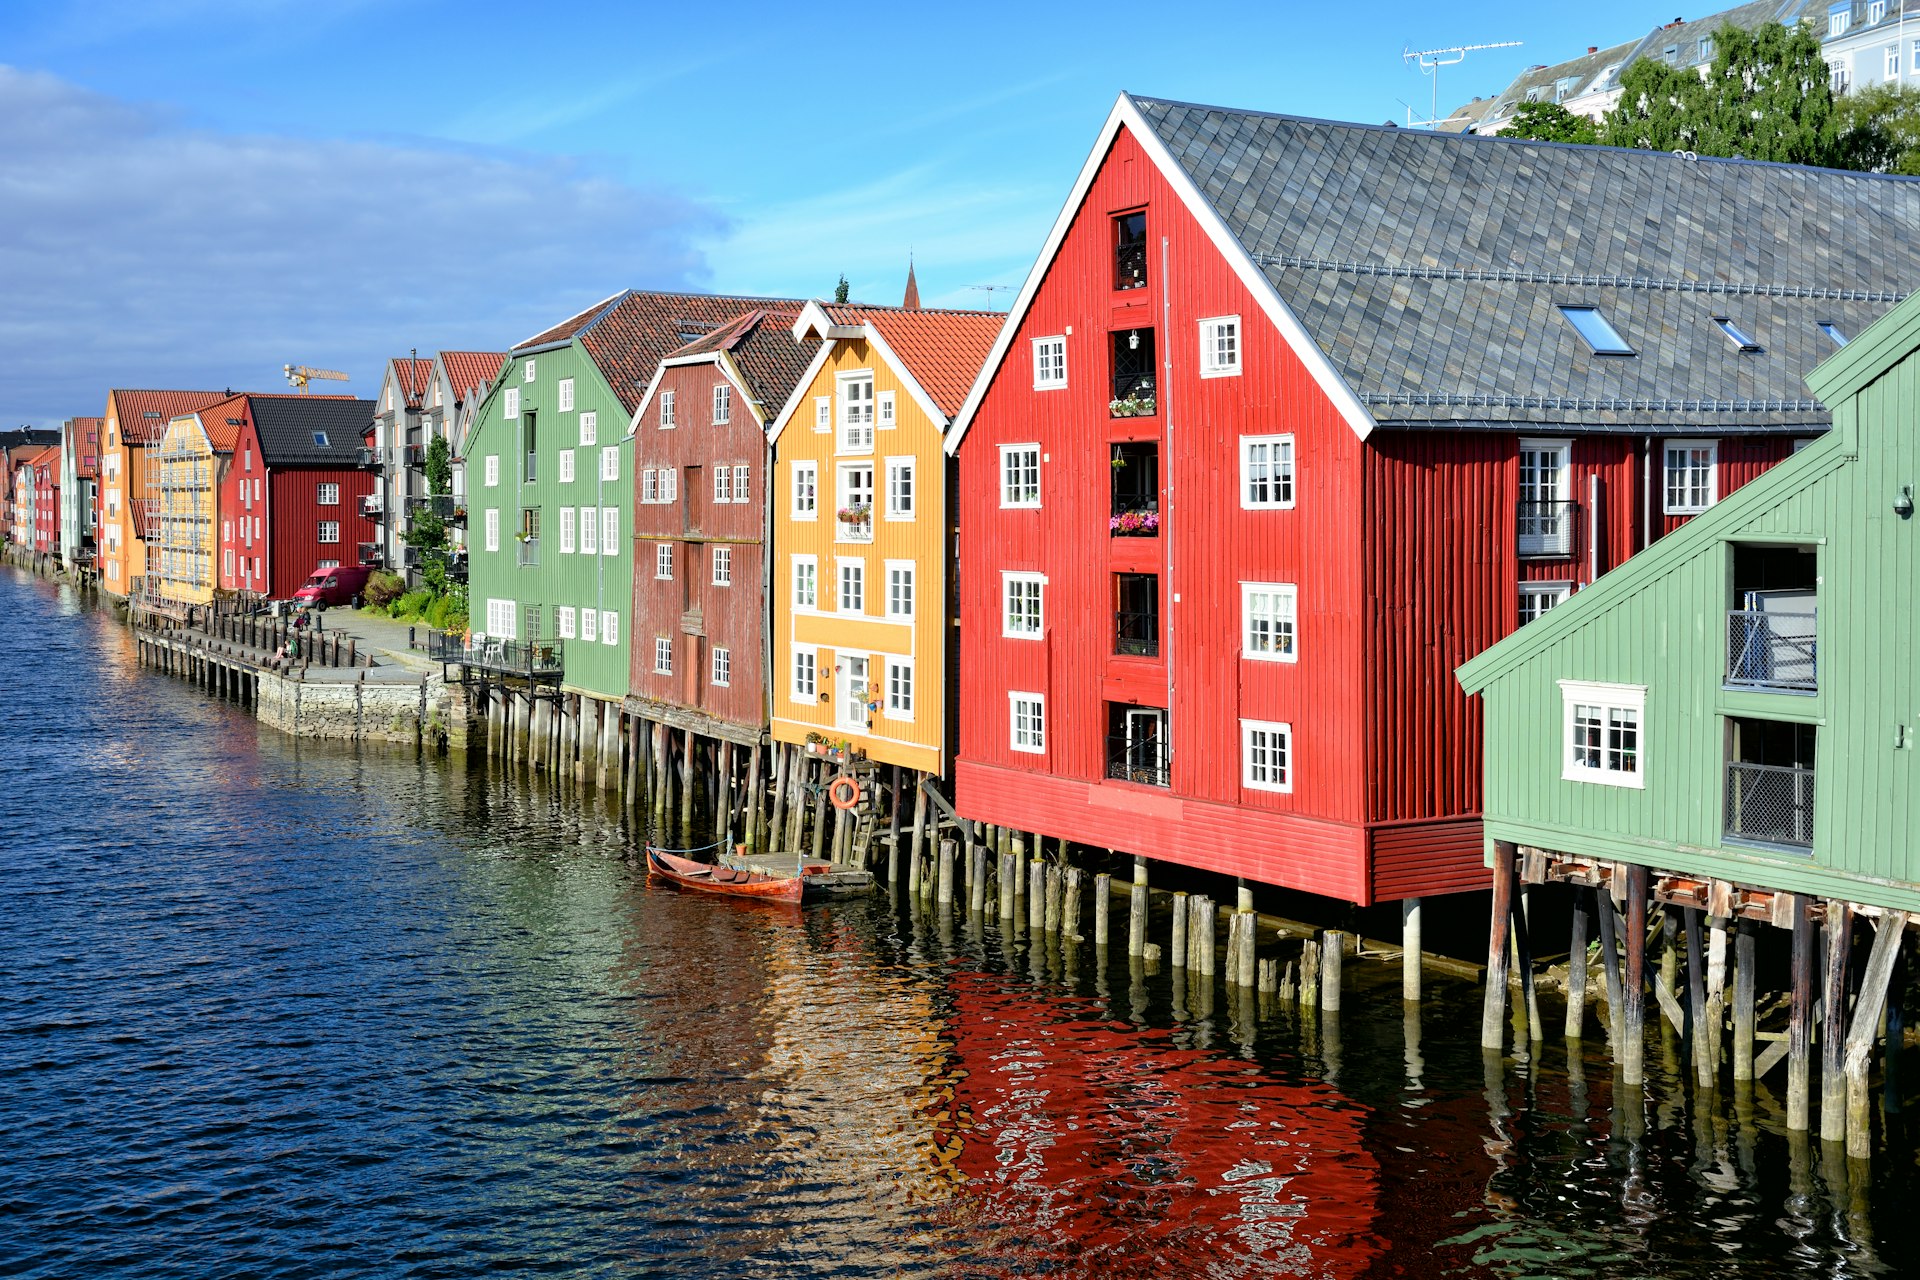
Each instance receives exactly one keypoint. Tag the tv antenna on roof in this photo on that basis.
(1431, 60)
(990, 290)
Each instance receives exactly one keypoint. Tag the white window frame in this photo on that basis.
(885, 417)
(326, 494)
(493, 528)
(855, 435)
(1016, 491)
(1050, 363)
(493, 470)
(609, 627)
(810, 690)
(503, 619)
(806, 572)
(566, 466)
(565, 395)
(663, 561)
(589, 427)
(1285, 623)
(1248, 774)
(806, 490)
(1610, 699)
(1212, 330)
(722, 404)
(1280, 472)
(844, 492)
(526, 370)
(649, 486)
(722, 566)
(589, 530)
(850, 569)
(1688, 506)
(328, 532)
(1034, 706)
(897, 510)
(510, 403)
(663, 655)
(1551, 594)
(590, 625)
(669, 484)
(721, 675)
(1558, 543)
(1018, 591)
(900, 573)
(666, 411)
(822, 414)
(609, 531)
(723, 484)
(566, 531)
(892, 706)
(563, 622)
(610, 462)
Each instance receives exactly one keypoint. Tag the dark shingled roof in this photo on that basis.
(762, 346)
(1429, 268)
(286, 425)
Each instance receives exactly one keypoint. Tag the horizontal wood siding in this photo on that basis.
(1417, 859)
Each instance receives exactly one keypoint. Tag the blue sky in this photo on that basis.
(194, 192)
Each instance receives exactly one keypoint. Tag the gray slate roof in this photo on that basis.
(1429, 268)
(287, 425)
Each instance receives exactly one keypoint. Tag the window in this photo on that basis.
(502, 618)
(566, 394)
(1023, 613)
(1543, 522)
(226, 561)
(1839, 77)
(1893, 62)
(899, 488)
(589, 424)
(566, 466)
(856, 412)
(1601, 337)
(663, 560)
(566, 531)
(510, 403)
(899, 689)
(1538, 597)
(1220, 347)
(329, 531)
(1838, 21)
(649, 485)
(526, 371)
(609, 462)
(723, 667)
(823, 413)
(1134, 372)
(853, 586)
(855, 515)
(327, 495)
(806, 578)
(1266, 755)
(669, 484)
(493, 528)
(320, 440)
(666, 410)
(740, 486)
(1876, 10)
(563, 618)
(609, 627)
(1130, 251)
(1049, 363)
(530, 439)
(1735, 334)
(1028, 722)
(609, 532)
(1267, 612)
(589, 531)
(1602, 732)
(805, 672)
(723, 566)
(1689, 472)
(1915, 56)
(722, 405)
(326, 564)
(1828, 327)
(493, 470)
(1019, 475)
(886, 411)
(1266, 472)
(806, 485)
(900, 590)
(589, 624)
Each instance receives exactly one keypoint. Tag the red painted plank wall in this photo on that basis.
(293, 517)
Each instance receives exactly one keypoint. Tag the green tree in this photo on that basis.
(1550, 122)
(1658, 110)
(1878, 129)
(427, 532)
(840, 290)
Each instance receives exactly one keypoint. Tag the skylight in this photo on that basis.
(1735, 334)
(1601, 336)
(1832, 330)
(320, 439)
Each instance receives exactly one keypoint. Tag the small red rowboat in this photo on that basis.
(710, 879)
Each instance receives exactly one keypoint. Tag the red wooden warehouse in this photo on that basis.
(701, 488)
(290, 500)
(1292, 417)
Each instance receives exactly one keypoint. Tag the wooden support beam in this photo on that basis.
(1608, 918)
(1633, 1032)
(1833, 1032)
(1493, 1014)
(1577, 969)
(1523, 949)
(1410, 945)
(1889, 931)
(1800, 1015)
(1744, 988)
(1703, 1069)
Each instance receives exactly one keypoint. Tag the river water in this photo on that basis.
(283, 1008)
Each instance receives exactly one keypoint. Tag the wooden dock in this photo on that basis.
(822, 879)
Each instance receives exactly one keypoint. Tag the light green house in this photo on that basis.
(1741, 701)
(549, 482)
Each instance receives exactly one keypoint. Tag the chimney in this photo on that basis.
(1593, 48)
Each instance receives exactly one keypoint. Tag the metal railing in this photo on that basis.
(373, 504)
(479, 652)
(1136, 633)
(1770, 804)
(1133, 760)
(369, 458)
(529, 557)
(371, 555)
(1770, 650)
(1545, 528)
(416, 455)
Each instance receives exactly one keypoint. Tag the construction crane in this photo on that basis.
(298, 375)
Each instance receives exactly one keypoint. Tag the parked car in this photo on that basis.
(334, 586)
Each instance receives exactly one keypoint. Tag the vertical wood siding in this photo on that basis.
(293, 515)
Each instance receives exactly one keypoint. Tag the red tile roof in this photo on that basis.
(86, 449)
(943, 350)
(469, 371)
(223, 421)
(414, 374)
(143, 414)
(572, 325)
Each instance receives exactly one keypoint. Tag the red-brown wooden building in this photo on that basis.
(290, 497)
(1292, 417)
(46, 501)
(701, 487)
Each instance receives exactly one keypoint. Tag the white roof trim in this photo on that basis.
(1126, 113)
(836, 334)
(595, 309)
(721, 361)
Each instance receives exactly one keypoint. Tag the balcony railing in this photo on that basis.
(1768, 650)
(416, 457)
(529, 658)
(1545, 528)
(1134, 760)
(529, 553)
(855, 530)
(447, 507)
(373, 505)
(1770, 804)
(372, 555)
(1136, 634)
(369, 459)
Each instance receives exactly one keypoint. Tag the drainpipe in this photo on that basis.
(1166, 486)
(1646, 492)
(1593, 527)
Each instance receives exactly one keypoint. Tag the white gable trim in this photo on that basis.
(719, 360)
(833, 335)
(801, 390)
(1126, 113)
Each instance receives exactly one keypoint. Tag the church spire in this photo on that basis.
(912, 299)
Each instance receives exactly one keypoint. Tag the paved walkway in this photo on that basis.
(380, 636)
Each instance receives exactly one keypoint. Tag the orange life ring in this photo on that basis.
(844, 791)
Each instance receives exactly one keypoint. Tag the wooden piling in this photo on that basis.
(1102, 908)
(723, 818)
(1800, 1015)
(1332, 953)
(1177, 948)
(1009, 874)
(1309, 990)
(1633, 1032)
(1833, 1030)
(976, 878)
(820, 807)
(1137, 904)
(1704, 1069)
(1410, 947)
(1070, 904)
(1523, 957)
(1493, 1013)
(1053, 900)
(944, 894)
(1576, 1027)
(1889, 933)
(687, 741)
(1743, 1000)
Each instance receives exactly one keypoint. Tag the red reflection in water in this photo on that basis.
(1092, 1147)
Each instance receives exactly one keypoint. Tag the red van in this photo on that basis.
(334, 586)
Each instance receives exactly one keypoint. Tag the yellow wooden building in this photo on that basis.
(183, 529)
(862, 605)
(129, 435)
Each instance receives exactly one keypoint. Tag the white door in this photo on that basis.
(853, 693)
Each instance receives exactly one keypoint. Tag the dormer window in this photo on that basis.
(1706, 50)
(1601, 337)
(1876, 11)
(1839, 18)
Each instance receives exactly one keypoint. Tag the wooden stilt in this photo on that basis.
(1800, 1016)
(1895, 1034)
(1410, 947)
(1332, 953)
(1493, 1015)
(1716, 1008)
(1054, 900)
(1633, 1034)
(1743, 1000)
(1889, 932)
(776, 837)
(1577, 969)
(944, 894)
(1209, 920)
(687, 786)
(1833, 1031)
(976, 878)
(1177, 950)
(723, 819)
(1137, 904)
(820, 807)
(1523, 946)
(920, 805)
(1309, 990)
(756, 805)
(1703, 1070)
(1070, 904)
(1609, 920)
(1102, 908)
(1036, 889)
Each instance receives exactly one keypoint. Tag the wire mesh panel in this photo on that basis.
(1770, 804)
(1771, 650)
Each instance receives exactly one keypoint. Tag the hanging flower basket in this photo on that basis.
(860, 513)
(1138, 524)
(1131, 407)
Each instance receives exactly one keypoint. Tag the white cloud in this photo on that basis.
(136, 252)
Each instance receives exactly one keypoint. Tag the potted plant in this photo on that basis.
(1137, 524)
(858, 513)
(1134, 405)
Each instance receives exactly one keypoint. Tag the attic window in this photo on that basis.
(1832, 330)
(1601, 336)
(320, 440)
(151, 413)
(1735, 335)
